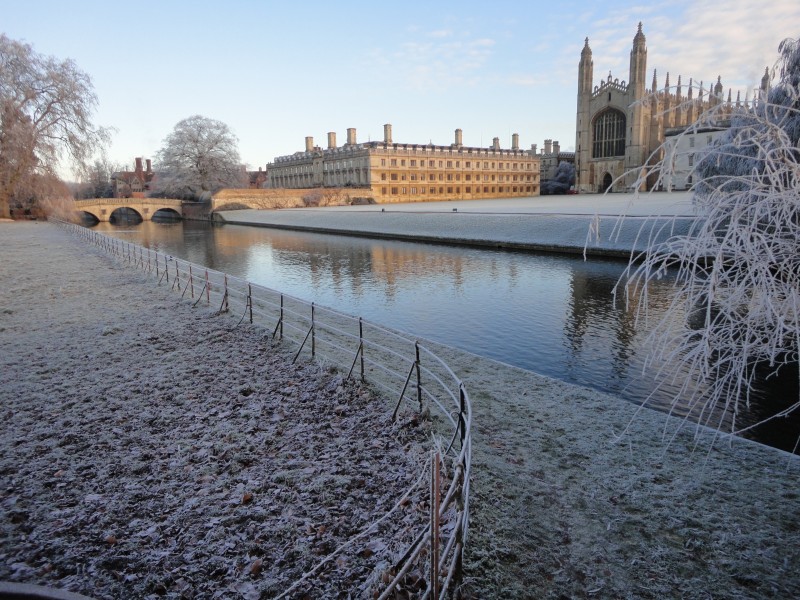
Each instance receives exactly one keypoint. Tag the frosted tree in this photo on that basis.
(562, 181)
(737, 291)
(198, 158)
(46, 109)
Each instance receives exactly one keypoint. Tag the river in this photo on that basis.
(551, 314)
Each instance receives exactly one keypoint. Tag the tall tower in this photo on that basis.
(638, 68)
(583, 118)
(638, 114)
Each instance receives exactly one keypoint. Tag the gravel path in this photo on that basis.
(154, 450)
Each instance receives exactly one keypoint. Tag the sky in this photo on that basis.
(276, 72)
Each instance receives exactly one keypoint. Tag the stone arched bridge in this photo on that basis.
(102, 208)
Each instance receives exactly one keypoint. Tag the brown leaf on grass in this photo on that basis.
(255, 567)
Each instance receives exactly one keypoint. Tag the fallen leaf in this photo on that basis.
(255, 568)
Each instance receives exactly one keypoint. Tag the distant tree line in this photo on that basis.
(46, 124)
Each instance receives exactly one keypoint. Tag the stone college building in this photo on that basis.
(621, 126)
(391, 172)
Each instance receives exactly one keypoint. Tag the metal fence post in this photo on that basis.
(461, 410)
(419, 377)
(250, 300)
(313, 333)
(435, 499)
(361, 344)
(279, 325)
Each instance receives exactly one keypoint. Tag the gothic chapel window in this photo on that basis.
(609, 134)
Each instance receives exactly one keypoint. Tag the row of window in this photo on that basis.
(452, 177)
(468, 164)
(395, 191)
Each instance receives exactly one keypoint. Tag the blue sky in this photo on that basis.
(276, 72)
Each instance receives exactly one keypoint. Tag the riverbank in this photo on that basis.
(152, 449)
(589, 223)
(574, 495)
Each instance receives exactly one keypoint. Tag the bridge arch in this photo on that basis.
(167, 214)
(89, 216)
(125, 214)
(103, 208)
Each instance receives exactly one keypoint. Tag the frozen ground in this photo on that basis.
(638, 205)
(153, 450)
(561, 223)
(566, 502)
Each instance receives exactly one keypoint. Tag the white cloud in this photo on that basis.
(437, 59)
(702, 39)
(440, 33)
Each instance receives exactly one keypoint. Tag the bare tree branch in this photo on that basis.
(46, 109)
(198, 158)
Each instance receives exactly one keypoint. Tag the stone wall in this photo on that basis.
(267, 199)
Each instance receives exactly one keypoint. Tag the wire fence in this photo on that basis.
(395, 364)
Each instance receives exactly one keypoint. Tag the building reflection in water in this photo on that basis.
(547, 313)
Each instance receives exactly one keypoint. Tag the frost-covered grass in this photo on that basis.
(154, 450)
(151, 492)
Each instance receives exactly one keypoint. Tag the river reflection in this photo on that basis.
(551, 314)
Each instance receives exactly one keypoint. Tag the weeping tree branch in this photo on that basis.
(735, 313)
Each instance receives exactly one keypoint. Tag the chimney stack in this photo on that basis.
(351, 136)
(309, 143)
(496, 144)
(331, 140)
(548, 146)
(459, 138)
(534, 150)
(515, 141)
(139, 165)
(149, 169)
(387, 133)
(556, 147)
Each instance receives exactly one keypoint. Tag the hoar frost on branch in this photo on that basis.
(198, 158)
(737, 290)
(46, 108)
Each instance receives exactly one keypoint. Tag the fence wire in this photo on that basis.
(394, 363)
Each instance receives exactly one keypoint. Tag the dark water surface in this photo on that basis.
(551, 314)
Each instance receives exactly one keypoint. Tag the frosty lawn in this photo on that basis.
(188, 464)
(154, 450)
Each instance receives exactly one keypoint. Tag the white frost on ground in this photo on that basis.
(641, 205)
(153, 450)
(563, 223)
(561, 506)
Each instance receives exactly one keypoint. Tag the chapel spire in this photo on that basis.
(638, 66)
(585, 69)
